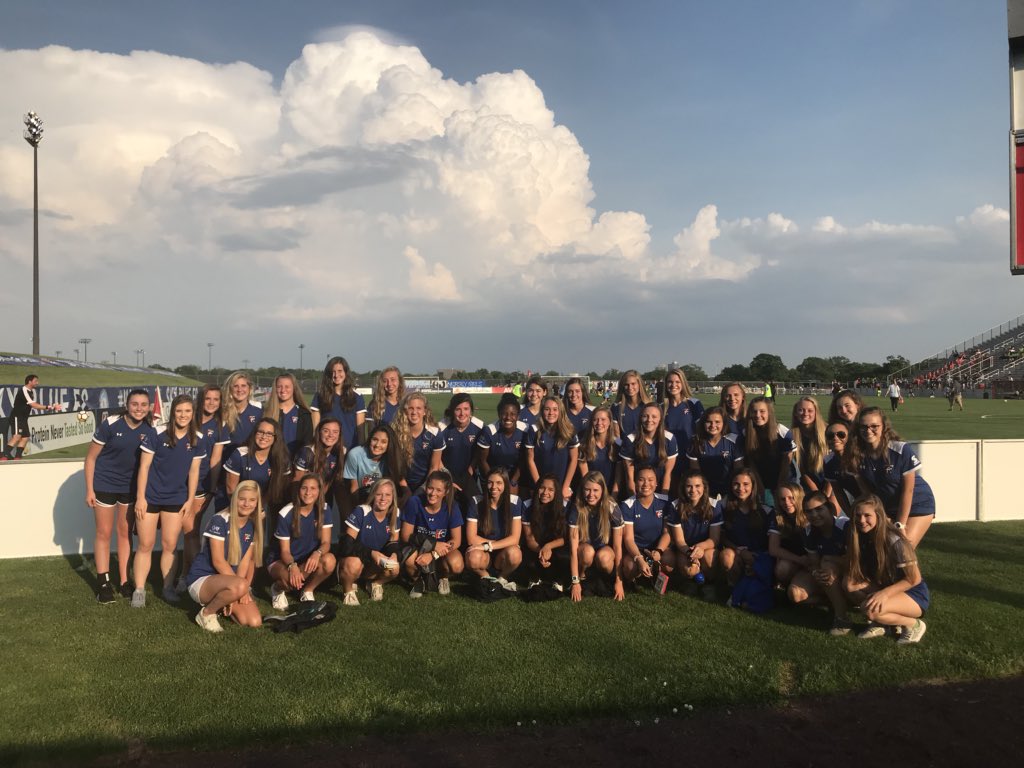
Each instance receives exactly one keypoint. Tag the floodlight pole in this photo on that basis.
(209, 357)
(301, 347)
(33, 135)
(85, 348)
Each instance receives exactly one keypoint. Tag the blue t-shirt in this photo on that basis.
(790, 538)
(628, 418)
(303, 546)
(695, 528)
(832, 472)
(739, 532)
(884, 475)
(347, 417)
(211, 433)
(547, 456)
(246, 467)
(580, 421)
(388, 416)
(361, 468)
(682, 420)
(290, 429)
(246, 424)
(477, 503)
(118, 461)
(216, 535)
(304, 461)
(528, 418)
(648, 522)
(458, 445)
(768, 463)
(593, 534)
(370, 532)
(736, 428)
(503, 450)
(438, 525)
(833, 544)
(167, 483)
(603, 461)
(628, 454)
(716, 462)
(422, 450)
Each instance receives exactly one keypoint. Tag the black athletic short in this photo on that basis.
(109, 499)
(20, 426)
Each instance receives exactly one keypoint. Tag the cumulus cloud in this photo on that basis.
(370, 194)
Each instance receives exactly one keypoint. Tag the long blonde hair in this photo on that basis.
(393, 512)
(401, 424)
(380, 400)
(810, 449)
(272, 407)
(228, 408)
(234, 538)
(588, 446)
(605, 510)
(884, 538)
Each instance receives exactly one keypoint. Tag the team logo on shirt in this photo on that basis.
(252, 419)
(658, 514)
(424, 445)
(519, 444)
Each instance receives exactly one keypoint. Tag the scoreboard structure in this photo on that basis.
(1015, 33)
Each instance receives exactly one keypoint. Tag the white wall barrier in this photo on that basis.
(44, 513)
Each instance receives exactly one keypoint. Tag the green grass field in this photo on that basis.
(82, 679)
(89, 377)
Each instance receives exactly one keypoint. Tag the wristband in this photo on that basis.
(638, 558)
(898, 525)
(488, 546)
(575, 579)
(293, 564)
(436, 556)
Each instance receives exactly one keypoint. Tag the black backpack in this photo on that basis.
(542, 592)
(306, 615)
(490, 591)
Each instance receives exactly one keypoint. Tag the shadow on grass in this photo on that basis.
(987, 541)
(974, 591)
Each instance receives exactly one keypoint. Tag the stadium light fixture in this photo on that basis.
(33, 135)
(58, 353)
(301, 347)
(85, 348)
(209, 357)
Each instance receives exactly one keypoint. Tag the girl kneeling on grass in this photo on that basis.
(494, 525)
(784, 533)
(882, 574)
(432, 527)
(645, 538)
(221, 575)
(299, 555)
(695, 526)
(824, 540)
(544, 527)
(744, 526)
(369, 546)
(595, 535)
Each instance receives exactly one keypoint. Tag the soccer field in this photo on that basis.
(83, 679)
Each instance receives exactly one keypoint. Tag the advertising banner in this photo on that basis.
(60, 430)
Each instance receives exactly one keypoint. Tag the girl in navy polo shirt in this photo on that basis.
(645, 535)
(432, 526)
(299, 556)
(715, 454)
(287, 407)
(733, 402)
(785, 533)
(111, 465)
(808, 429)
(536, 389)
(264, 459)
(882, 574)
(544, 526)
(220, 579)
(841, 484)
(768, 447)
(500, 444)
(455, 446)
(845, 407)
(552, 446)
(630, 397)
(595, 536)
(888, 468)
(240, 413)
(494, 525)
(824, 540)
(336, 396)
(324, 457)
(682, 416)
(369, 545)
(695, 526)
(415, 429)
(168, 478)
(650, 447)
(599, 448)
(577, 405)
(387, 396)
(744, 526)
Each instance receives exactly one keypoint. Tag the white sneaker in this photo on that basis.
(443, 587)
(208, 622)
(417, 590)
(508, 586)
(376, 592)
(278, 598)
(171, 595)
(306, 597)
(912, 634)
(871, 631)
(351, 598)
(139, 598)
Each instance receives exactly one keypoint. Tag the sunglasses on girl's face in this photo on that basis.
(838, 433)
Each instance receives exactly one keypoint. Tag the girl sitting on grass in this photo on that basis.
(882, 575)
(299, 556)
(744, 526)
(544, 527)
(369, 545)
(785, 542)
(494, 525)
(824, 540)
(220, 579)
(432, 527)
(595, 535)
(695, 527)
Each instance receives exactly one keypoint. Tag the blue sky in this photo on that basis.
(830, 167)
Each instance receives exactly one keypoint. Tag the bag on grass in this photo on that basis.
(543, 592)
(490, 591)
(305, 616)
(756, 593)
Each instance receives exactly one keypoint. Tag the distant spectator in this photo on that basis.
(24, 404)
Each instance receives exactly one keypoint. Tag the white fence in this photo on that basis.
(44, 512)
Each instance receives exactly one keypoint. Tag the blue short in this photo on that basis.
(920, 595)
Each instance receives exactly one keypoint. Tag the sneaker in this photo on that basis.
(126, 590)
(376, 592)
(351, 598)
(306, 597)
(841, 626)
(912, 634)
(508, 586)
(208, 622)
(444, 587)
(105, 595)
(417, 590)
(171, 595)
(871, 630)
(139, 598)
(278, 598)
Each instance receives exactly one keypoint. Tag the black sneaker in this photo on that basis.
(126, 589)
(105, 595)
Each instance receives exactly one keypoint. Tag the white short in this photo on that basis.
(195, 587)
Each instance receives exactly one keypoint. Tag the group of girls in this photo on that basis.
(614, 491)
